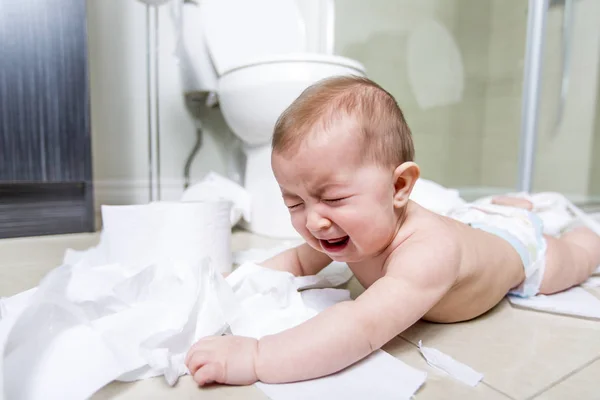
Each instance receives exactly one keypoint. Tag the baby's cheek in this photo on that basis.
(298, 222)
(379, 229)
(299, 225)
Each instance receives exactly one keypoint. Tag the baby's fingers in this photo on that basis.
(208, 373)
(196, 360)
(201, 345)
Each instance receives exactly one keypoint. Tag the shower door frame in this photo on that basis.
(532, 80)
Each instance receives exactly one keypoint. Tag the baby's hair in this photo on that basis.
(386, 137)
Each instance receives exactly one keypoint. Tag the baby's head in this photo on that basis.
(342, 155)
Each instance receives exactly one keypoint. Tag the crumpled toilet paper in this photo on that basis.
(334, 275)
(131, 307)
(126, 309)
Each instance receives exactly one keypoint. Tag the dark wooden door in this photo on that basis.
(45, 146)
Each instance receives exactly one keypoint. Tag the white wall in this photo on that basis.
(376, 33)
(117, 59)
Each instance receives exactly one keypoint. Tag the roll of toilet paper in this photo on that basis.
(168, 232)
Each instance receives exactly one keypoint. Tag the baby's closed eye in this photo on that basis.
(335, 200)
(294, 205)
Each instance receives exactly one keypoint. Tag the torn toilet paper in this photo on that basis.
(592, 281)
(133, 304)
(573, 302)
(379, 376)
(96, 318)
(449, 365)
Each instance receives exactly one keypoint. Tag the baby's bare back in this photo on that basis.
(488, 265)
(489, 268)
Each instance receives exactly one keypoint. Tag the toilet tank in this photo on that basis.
(195, 66)
(240, 31)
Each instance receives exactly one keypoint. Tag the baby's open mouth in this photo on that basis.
(335, 244)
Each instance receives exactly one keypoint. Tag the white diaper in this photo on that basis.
(521, 228)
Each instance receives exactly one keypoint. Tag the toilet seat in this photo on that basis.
(300, 57)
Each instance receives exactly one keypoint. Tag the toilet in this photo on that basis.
(254, 55)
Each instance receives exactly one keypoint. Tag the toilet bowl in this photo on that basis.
(259, 64)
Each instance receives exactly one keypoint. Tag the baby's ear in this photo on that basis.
(405, 176)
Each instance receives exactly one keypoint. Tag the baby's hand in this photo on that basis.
(223, 359)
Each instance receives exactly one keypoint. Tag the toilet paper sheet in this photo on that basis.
(575, 302)
(449, 365)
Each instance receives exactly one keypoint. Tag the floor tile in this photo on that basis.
(25, 261)
(582, 385)
(354, 287)
(520, 352)
(43, 249)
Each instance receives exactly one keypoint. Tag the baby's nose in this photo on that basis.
(316, 222)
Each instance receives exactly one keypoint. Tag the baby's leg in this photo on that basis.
(570, 259)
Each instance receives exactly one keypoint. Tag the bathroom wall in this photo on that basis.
(473, 143)
(570, 145)
(594, 188)
(470, 143)
(501, 128)
(376, 33)
(117, 54)
(448, 135)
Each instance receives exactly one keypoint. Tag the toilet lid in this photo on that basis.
(239, 30)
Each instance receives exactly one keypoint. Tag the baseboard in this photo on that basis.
(42, 208)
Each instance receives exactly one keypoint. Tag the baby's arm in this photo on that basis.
(349, 331)
(300, 261)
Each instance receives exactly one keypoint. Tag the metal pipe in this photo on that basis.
(532, 78)
(190, 159)
(153, 106)
(149, 104)
(157, 104)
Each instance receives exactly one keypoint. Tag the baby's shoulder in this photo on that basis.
(427, 226)
(430, 238)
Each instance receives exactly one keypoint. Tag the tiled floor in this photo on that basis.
(522, 354)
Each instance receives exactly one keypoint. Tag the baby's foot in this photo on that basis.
(513, 202)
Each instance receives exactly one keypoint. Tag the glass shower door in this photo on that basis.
(567, 157)
(456, 69)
